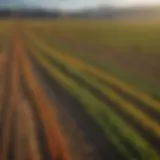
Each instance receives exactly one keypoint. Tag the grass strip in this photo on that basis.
(127, 107)
(143, 97)
(58, 40)
(125, 139)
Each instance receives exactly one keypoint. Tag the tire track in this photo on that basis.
(53, 138)
(19, 125)
(10, 100)
(137, 103)
(146, 100)
(39, 128)
(26, 140)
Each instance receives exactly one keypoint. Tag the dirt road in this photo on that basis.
(28, 125)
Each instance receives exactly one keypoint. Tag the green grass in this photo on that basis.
(129, 38)
(124, 104)
(125, 139)
(115, 36)
(95, 73)
(144, 84)
(147, 85)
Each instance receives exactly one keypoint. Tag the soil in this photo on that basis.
(21, 133)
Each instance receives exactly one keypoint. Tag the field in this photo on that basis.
(80, 90)
(125, 50)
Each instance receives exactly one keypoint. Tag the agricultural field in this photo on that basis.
(129, 51)
(80, 90)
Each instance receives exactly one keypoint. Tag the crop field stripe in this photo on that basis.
(10, 124)
(107, 91)
(102, 148)
(142, 97)
(138, 104)
(20, 134)
(53, 137)
(137, 119)
(129, 99)
(83, 68)
(142, 118)
(103, 116)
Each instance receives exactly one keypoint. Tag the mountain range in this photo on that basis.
(26, 8)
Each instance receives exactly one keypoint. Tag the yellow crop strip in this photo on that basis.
(97, 109)
(136, 114)
(146, 99)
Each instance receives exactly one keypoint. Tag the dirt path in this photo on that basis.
(26, 120)
(10, 100)
(52, 136)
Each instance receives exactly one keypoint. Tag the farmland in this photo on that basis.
(127, 50)
(84, 90)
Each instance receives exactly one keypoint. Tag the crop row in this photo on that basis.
(127, 107)
(125, 139)
(117, 36)
(52, 136)
(140, 96)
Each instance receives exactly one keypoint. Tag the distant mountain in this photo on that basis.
(109, 12)
(25, 9)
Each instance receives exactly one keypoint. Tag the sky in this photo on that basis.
(79, 4)
(76, 4)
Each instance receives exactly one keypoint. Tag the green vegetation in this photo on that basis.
(123, 104)
(125, 139)
(80, 38)
(97, 74)
(124, 37)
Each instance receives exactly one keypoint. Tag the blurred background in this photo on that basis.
(95, 64)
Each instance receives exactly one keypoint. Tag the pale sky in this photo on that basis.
(76, 4)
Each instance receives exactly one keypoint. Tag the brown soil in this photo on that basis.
(2, 74)
(20, 129)
(53, 140)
